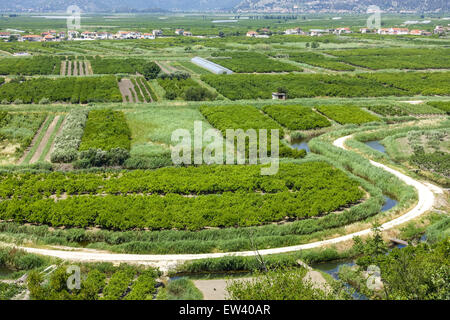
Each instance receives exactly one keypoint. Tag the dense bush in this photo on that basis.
(297, 117)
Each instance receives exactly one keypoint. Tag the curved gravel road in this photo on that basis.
(425, 203)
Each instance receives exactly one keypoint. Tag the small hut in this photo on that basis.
(279, 96)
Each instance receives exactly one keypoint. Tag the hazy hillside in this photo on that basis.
(235, 5)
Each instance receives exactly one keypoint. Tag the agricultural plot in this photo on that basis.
(430, 151)
(297, 117)
(251, 62)
(393, 58)
(72, 90)
(17, 131)
(245, 118)
(106, 130)
(116, 66)
(319, 60)
(441, 105)
(151, 133)
(39, 65)
(42, 142)
(225, 196)
(243, 86)
(185, 89)
(76, 68)
(415, 83)
(405, 110)
(347, 114)
(67, 142)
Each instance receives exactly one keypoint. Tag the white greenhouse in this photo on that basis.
(210, 66)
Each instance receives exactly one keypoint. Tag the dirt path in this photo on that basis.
(63, 68)
(88, 68)
(81, 68)
(33, 142)
(75, 68)
(69, 68)
(44, 140)
(52, 147)
(166, 262)
(215, 289)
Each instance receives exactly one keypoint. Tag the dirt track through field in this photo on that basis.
(88, 68)
(44, 141)
(81, 68)
(69, 68)
(75, 68)
(33, 142)
(63, 68)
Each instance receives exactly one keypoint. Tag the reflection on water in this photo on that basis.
(332, 268)
(376, 145)
(300, 144)
(389, 203)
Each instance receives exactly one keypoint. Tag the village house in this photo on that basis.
(416, 32)
(148, 36)
(394, 31)
(318, 32)
(49, 38)
(89, 35)
(157, 33)
(179, 32)
(104, 35)
(365, 30)
(439, 30)
(187, 34)
(342, 31)
(71, 34)
(252, 34)
(295, 31)
(5, 35)
(32, 38)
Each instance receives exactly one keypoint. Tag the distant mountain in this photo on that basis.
(117, 5)
(319, 6)
(268, 6)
